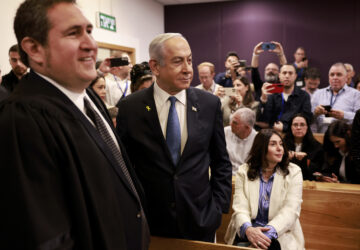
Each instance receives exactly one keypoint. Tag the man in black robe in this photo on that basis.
(65, 180)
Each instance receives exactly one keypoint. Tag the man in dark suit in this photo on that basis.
(173, 134)
(64, 180)
(18, 71)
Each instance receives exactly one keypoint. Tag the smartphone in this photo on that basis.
(304, 59)
(242, 63)
(326, 107)
(277, 88)
(230, 91)
(322, 174)
(119, 61)
(268, 46)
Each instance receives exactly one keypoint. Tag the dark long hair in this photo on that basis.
(139, 74)
(308, 137)
(257, 156)
(249, 97)
(339, 129)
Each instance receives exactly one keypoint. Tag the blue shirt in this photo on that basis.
(223, 81)
(262, 217)
(347, 100)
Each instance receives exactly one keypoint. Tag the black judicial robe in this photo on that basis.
(60, 187)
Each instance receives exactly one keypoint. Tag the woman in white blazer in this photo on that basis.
(268, 197)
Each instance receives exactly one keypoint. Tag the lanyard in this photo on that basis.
(282, 107)
(122, 91)
(331, 98)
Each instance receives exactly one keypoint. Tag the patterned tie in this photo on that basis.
(105, 135)
(173, 135)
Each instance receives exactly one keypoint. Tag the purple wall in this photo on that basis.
(330, 32)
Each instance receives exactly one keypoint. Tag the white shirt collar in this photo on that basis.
(76, 98)
(162, 96)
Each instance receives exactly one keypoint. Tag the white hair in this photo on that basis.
(246, 115)
(156, 46)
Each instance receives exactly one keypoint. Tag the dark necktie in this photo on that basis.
(173, 135)
(105, 135)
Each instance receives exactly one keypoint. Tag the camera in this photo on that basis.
(268, 46)
(119, 61)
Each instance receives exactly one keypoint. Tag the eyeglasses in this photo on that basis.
(301, 125)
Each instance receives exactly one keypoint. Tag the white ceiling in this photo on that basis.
(172, 2)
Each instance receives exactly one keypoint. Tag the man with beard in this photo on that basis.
(281, 107)
(271, 70)
(11, 80)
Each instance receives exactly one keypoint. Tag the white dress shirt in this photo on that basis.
(163, 105)
(78, 100)
(212, 90)
(115, 89)
(238, 149)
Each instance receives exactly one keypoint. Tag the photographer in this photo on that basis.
(225, 79)
(283, 101)
(271, 70)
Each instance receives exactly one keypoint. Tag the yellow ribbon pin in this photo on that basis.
(148, 108)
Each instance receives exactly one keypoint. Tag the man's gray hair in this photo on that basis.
(157, 44)
(246, 115)
(339, 64)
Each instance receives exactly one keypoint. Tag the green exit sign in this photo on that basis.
(106, 22)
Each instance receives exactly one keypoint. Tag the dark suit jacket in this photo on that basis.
(298, 102)
(182, 200)
(60, 186)
(312, 162)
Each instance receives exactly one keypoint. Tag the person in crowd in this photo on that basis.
(355, 144)
(117, 81)
(66, 181)
(98, 85)
(225, 79)
(350, 73)
(281, 107)
(304, 150)
(18, 70)
(356, 83)
(206, 76)
(312, 81)
(338, 166)
(338, 101)
(141, 77)
(243, 97)
(177, 130)
(300, 64)
(240, 136)
(271, 74)
(113, 111)
(267, 198)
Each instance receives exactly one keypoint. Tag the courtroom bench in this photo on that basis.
(330, 216)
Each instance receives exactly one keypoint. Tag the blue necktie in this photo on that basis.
(173, 135)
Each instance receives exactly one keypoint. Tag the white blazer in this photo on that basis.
(284, 208)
